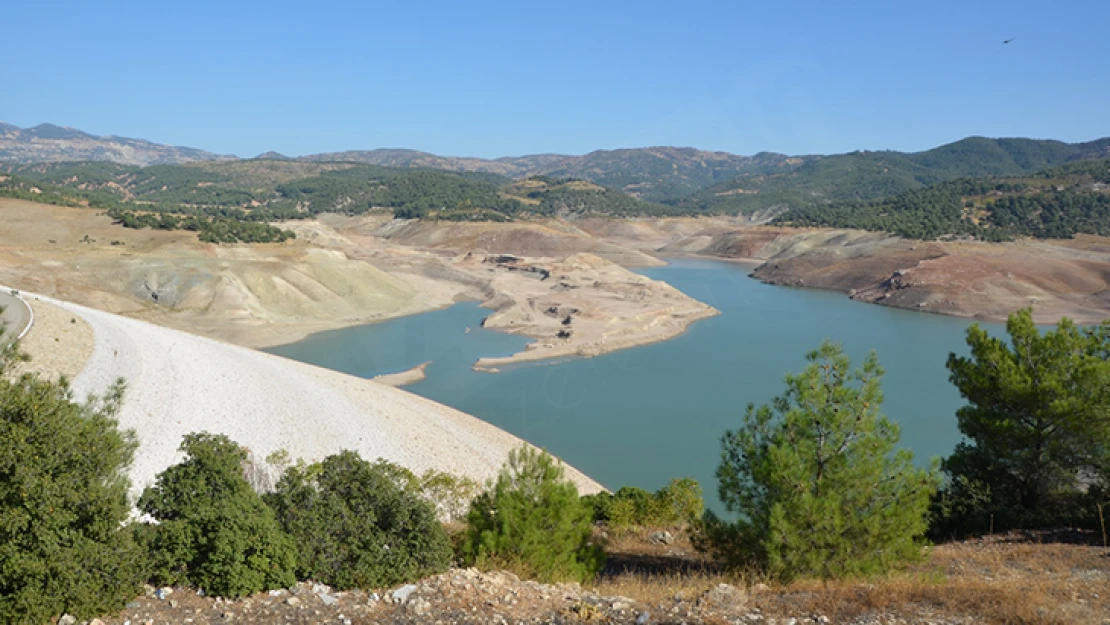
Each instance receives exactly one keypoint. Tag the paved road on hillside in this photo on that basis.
(16, 316)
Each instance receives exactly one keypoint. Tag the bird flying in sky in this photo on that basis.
(1008, 40)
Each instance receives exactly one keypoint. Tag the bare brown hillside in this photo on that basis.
(969, 279)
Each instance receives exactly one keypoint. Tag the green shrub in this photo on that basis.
(450, 494)
(356, 524)
(213, 530)
(532, 521)
(621, 514)
(678, 503)
(63, 502)
(816, 476)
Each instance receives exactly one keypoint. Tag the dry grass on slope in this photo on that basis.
(1003, 580)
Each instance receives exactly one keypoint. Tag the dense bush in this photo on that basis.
(213, 530)
(356, 524)
(817, 478)
(532, 521)
(677, 503)
(63, 502)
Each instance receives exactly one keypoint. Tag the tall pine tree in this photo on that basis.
(1037, 420)
(815, 475)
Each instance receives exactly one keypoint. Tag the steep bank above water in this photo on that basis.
(967, 279)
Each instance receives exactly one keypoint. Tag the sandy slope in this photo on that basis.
(179, 383)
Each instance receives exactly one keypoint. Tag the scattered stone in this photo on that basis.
(661, 538)
(643, 619)
(327, 599)
(724, 596)
(293, 601)
(399, 595)
(163, 592)
(67, 619)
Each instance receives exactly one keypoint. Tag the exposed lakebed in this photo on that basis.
(644, 415)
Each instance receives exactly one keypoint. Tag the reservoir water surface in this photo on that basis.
(645, 415)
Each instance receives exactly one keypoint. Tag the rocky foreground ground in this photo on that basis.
(1007, 579)
(456, 597)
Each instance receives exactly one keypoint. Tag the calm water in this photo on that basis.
(644, 415)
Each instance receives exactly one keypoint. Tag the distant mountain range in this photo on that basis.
(691, 180)
(47, 143)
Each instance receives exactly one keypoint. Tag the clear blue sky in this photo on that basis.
(507, 78)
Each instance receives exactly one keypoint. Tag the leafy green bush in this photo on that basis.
(680, 502)
(356, 525)
(213, 530)
(63, 502)
(677, 503)
(817, 477)
(533, 522)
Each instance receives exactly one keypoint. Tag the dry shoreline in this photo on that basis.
(403, 378)
(267, 403)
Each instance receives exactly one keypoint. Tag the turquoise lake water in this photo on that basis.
(644, 415)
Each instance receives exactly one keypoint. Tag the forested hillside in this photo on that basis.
(977, 186)
(1059, 202)
(874, 175)
(211, 197)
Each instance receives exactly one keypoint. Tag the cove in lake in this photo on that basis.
(644, 415)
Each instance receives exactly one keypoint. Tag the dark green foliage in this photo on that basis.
(213, 530)
(865, 176)
(63, 502)
(1037, 421)
(210, 229)
(532, 521)
(667, 174)
(677, 503)
(1058, 203)
(816, 476)
(356, 525)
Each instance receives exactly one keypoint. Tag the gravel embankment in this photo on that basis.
(179, 383)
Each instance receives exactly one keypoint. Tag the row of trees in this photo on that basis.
(815, 479)
(209, 229)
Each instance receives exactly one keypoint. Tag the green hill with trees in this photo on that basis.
(1059, 202)
(867, 175)
(919, 195)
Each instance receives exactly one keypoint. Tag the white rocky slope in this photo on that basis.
(179, 383)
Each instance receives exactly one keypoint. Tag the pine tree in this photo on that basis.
(818, 481)
(1037, 418)
(533, 522)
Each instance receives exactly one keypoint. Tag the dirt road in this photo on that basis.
(15, 318)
